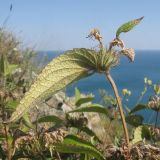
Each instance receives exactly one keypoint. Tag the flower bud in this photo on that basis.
(154, 103)
(145, 80)
(129, 52)
(149, 82)
(126, 92)
(157, 89)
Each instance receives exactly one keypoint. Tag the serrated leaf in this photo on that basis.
(128, 26)
(62, 71)
(138, 108)
(92, 108)
(50, 118)
(134, 120)
(73, 144)
(84, 100)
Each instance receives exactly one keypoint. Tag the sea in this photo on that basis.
(129, 75)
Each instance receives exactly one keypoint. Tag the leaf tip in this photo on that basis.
(128, 26)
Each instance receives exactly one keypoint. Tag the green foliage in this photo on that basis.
(5, 67)
(83, 100)
(157, 89)
(43, 140)
(50, 118)
(77, 94)
(88, 131)
(73, 144)
(3, 64)
(62, 71)
(141, 133)
(92, 108)
(138, 108)
(128, 26)
(134, 120)
(2, 153)
(106, 99)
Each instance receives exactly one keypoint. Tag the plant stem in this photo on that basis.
(120, 107)
(4, 117)
(6, 133)
(58, 156)
(8, 146)
(156, 119)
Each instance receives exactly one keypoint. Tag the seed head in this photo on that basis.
(95, 33)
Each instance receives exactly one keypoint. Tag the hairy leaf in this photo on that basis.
(62, 71)
(138, 108)
(128, 26)
(92, 108)
(59, 73)
(73, 144)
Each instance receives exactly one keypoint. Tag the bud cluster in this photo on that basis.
(126, 92)
(147, 81)
(154, 103)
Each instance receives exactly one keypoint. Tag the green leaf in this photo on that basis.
(88, 131)
(10, 68)
(157, 89)
(77, 94)
(73, 144)
(50, 118)
(3, 64)
(5, 67)
(12, 104)
(140, 133)
(92, 108)
(2, 153)
(83, 100)
(62, 71)
(128, 26)
(134, 120)
(137, 135)
(27, 121)
(138, 108)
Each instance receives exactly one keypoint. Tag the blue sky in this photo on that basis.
(64, 24)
